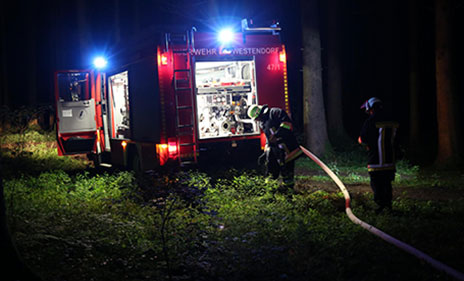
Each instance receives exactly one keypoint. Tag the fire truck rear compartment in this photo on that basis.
(224, 91)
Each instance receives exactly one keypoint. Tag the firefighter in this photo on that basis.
(378, 135)
(281, 148)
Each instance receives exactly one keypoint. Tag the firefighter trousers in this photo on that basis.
(274, 169)
(382, 187)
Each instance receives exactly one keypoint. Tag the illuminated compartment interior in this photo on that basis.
(224, 91)
(119, 92)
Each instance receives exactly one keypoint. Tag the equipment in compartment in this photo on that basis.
(224, 91)
(119, 91)
(224, 115)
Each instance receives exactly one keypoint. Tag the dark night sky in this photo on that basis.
(374, 40)
(44, 34)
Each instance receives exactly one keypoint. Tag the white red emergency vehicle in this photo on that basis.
(173, 98)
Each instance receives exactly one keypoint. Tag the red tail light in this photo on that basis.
(167, 151)
(172, 148)
(164, 59)
(162, 152)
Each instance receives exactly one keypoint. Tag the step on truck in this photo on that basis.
(176, 98)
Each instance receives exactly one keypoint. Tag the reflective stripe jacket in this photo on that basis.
(379, 134)
(277, 126)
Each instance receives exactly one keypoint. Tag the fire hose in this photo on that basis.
(406, 247)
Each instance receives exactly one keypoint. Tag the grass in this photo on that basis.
(30, 136)
(350, 167)
(108, 227)
(71, 223)
(34, 152)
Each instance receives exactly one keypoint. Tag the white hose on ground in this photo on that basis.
(421, 255)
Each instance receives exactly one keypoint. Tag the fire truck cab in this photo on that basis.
(173, 98)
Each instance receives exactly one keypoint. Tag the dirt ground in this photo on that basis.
(418, 192)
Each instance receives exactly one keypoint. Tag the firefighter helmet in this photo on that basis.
(369, 104)
(254, 111)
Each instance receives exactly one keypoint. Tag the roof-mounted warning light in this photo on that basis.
(226, 36)
(100, 62)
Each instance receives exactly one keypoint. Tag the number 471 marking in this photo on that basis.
(273, 66)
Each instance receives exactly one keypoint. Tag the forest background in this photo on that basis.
(340, 53)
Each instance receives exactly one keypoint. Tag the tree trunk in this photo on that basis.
(336, 131)
(384, 54)
(448, 153)
(57, 38)
(314, 121)
(414, 96)
(31, 42)
(4, 58)
(83, 33)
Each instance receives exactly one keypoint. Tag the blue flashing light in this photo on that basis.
(226, 36)
(100, 62)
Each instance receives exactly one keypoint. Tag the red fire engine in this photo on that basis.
(174, 100)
